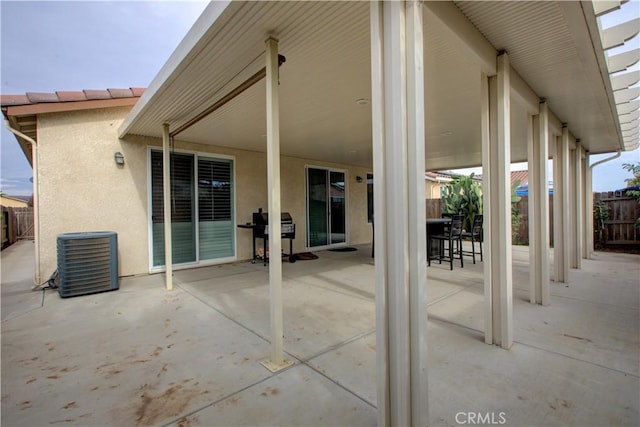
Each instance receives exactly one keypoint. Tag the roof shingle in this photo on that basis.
(69, 96)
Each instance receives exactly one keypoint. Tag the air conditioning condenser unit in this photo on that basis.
(87, 263)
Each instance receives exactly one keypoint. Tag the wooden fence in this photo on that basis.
(521, 235)
(620, 228)
(17, 223)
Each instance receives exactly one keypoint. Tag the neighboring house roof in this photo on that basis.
(443, 176)
(31, 98)
(438, 177)
(21, 110)
(522, 176)
(14, 201)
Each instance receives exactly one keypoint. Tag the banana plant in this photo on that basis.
(463, 196)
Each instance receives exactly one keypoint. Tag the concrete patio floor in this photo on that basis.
(146, 356)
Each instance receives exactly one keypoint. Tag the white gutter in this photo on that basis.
(618, 154)
(36, 215)
(589, 203)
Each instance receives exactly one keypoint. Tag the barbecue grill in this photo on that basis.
(260, 229)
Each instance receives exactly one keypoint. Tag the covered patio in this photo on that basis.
(145, 356)
(400, 88)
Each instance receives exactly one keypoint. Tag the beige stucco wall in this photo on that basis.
(82, 189)
(432, 189)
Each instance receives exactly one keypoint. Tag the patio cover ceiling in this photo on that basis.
(325, 82)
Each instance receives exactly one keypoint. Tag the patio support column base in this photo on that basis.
(277, 367)
(496, 157)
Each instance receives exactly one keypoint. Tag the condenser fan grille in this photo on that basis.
(87, 263)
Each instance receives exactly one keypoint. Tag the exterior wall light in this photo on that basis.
(119, 158)
(358, 179)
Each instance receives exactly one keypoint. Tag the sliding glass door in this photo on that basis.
(202, 208)
(326, 207)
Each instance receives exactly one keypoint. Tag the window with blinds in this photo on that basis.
(214, 190)
(215, 208)
(210, 235)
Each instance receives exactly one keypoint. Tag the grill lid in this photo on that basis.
(262, 218)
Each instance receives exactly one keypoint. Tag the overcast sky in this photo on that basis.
(74, 45)
(50, 46)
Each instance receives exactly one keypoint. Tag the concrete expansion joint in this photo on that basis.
(449, 322)
(631, 374)
(338, 384)
(336, 346)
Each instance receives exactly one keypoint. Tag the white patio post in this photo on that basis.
(571, 206)
(166, 194)
(277, 361)
(539, 208)
(398, 147)
(586, 209)
(576, 262)
(496, 157)
(561, 207)
(588, 203)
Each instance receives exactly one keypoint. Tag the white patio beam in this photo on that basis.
(561, 207)
(629, 117)
(166, 194)
(622, 61)
(624, 96)
(497, 206)
(523, 92)
(398, 147)
(555, 125)
(617, 35)
(602, 7)
(462, 34)
(627, 107)
(539, 292)
(625, 80)
(277, 361)
(629, 127)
